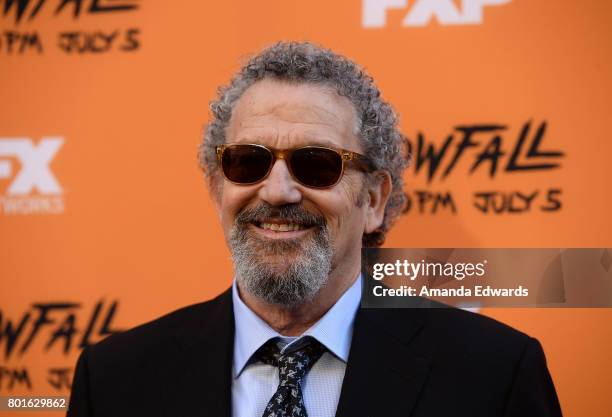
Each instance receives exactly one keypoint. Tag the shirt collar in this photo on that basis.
(334, 330)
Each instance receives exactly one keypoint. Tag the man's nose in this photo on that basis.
(280, 187)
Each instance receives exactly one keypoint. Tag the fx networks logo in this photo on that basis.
(32, 187)
(422, 12)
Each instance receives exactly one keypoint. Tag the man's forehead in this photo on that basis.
(299, 113)
(299, 103)
(267, 135)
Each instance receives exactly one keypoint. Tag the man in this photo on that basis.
(304, 161)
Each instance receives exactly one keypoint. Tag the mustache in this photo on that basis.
(289, 213)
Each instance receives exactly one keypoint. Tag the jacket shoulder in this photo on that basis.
(452, 331)
(473, 327)
(458, 331)
(158, 336)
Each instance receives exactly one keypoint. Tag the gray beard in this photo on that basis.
(286, 273)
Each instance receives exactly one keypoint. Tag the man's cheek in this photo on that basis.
(229, 224)
(345, 192)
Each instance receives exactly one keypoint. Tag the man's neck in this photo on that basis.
(294, 321)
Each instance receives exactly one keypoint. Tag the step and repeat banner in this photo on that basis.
(105, 219)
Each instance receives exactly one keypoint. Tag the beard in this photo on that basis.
(287, 272)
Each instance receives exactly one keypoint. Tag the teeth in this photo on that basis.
(281, 227)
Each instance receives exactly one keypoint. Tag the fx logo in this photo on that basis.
(374, 12)
(35, 160)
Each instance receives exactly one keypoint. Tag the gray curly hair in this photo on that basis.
(304, 62)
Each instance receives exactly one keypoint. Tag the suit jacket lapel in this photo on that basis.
(384, 376)
(198, 380)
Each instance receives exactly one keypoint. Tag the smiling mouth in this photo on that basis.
(281, 227)
(281, 230)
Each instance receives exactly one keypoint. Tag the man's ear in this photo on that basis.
(379, 190)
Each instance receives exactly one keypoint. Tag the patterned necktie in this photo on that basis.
(287, 401)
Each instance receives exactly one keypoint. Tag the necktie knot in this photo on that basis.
(292, 365)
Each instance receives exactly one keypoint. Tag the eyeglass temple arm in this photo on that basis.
(362, 162)
(219, 150)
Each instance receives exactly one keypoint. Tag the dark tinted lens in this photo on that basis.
(245, 163)
(316, 167)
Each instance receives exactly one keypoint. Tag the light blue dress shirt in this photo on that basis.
(254, 382)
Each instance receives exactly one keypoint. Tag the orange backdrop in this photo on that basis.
(103, 208)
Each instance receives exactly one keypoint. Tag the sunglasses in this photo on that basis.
(311, 166)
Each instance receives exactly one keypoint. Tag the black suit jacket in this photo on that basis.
(402, 362)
